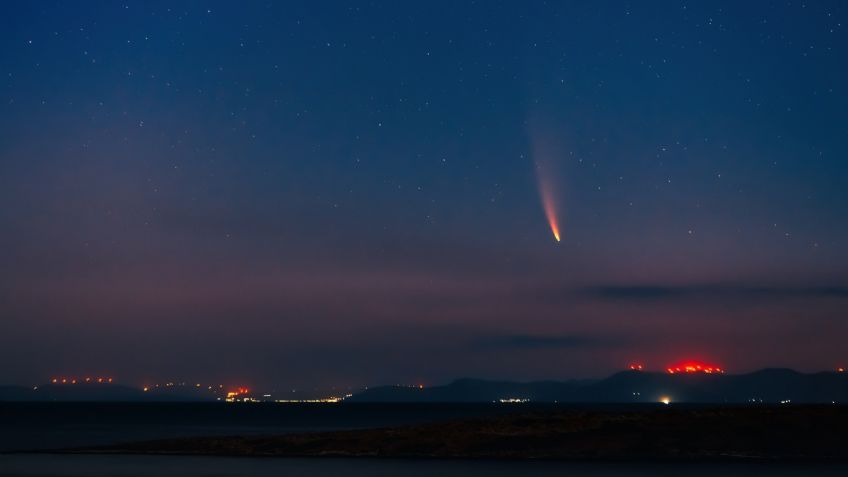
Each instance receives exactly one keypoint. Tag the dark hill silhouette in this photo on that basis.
(767, 386)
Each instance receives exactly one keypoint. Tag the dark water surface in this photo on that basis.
(145, 466)
(28, 426)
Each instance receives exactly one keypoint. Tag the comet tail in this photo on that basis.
(549, 204)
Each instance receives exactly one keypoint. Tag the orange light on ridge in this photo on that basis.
(695, 367)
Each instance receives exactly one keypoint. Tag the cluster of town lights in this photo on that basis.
(331, 399)
(233, 396)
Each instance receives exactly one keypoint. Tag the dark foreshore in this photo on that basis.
(769, 433)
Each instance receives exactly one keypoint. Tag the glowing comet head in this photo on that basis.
(553, 223)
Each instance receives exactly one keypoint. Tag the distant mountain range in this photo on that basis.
(766, 386)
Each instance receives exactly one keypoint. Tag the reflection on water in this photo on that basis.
(130, 466)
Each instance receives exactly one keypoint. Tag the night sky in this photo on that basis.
(351, 193)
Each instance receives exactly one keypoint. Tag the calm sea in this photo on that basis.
(27, 426)
(147, 466)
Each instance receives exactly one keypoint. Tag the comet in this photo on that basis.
(546, 150)
(546, 193)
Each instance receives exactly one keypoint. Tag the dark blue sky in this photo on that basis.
(347, 193)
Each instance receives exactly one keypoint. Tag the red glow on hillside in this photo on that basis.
(695, 367)
(636, 367)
